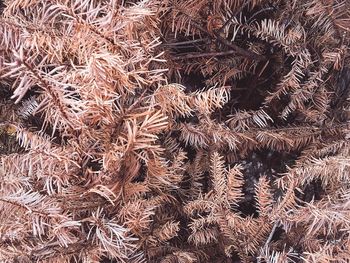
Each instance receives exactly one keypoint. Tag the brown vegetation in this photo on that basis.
(174, 131)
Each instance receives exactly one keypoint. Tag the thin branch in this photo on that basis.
(239, 50)
(210, 54)
(271, 234)
(258, 260)
(233, 15)
(47, 87)
(259, 12)
(185, 42)
(245, 53)
(32, 211)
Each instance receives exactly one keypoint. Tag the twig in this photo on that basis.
(185, 42)
(272, 233)
(210, 54)
(258, 260)
(239, 50)
(259, 12)
(245, 53)
(233, 16)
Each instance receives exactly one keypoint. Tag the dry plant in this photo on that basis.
(174, 131)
